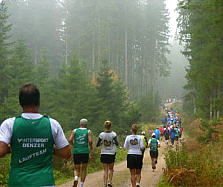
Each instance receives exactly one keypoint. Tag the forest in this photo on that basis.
(89, 58)
(200, 26)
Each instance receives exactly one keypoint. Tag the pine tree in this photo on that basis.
(5, 28)
(19, 71)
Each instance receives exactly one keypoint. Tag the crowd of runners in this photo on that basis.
(32, 139)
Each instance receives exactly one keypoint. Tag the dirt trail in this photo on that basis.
(121, 176)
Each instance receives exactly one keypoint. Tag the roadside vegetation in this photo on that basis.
(199, 161)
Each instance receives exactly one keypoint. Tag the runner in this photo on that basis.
(153, 144)
(172, 135)
(145, 142)
(166, 134)
(108, 140)
(177, 133)
(134, 157)
(157, 132)
(81, 139)
(33, 139)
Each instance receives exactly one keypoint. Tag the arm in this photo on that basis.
(90, 139)
(141, 144)
(115, 141)
(99, 142)
(126, 145)
(64, 152)
(71, 139)
(4, 149)
(158, 143)
(148, 146)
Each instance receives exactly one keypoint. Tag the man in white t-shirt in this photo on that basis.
(32, 139)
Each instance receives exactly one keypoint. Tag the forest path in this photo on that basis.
(121, 176)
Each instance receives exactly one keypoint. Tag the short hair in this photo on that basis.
(83, 121)
(107, 124)
(29, 95)
(134, 128)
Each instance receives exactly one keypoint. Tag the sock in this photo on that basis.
(81, 184)
(138, 183)
(76, 178)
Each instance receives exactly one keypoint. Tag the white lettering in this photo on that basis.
(41, 152)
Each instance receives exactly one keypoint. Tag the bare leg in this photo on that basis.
(84, 172)
(133, 177)
(110, 175)
(105, 173)
(153, 163)
(138, 175)
(76, 173)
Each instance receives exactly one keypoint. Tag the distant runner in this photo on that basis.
(166, 134)
(153, 145)
(145, 142)
(134, 157)
(157, 133)
(108, 140)
(81, 139)
(32, 137)
(172, 135)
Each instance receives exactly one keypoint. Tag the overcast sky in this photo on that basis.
(171, 6)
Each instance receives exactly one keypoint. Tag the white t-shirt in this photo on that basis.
(58, 135)
(134, 143)
(108, 146)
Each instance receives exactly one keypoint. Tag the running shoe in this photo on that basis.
(109, 185)
(137, 185)
(75, 183)
(156, 162)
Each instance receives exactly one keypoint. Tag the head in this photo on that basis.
(153, 135)
(143, 133)
(29, 96)
(134, 129)
(83, 122)
(107, 125)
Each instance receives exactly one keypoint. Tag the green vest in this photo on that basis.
(177, 132)
(32, 149)
(154, 144)
(81, 142)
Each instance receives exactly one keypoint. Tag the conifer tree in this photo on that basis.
(5, 27)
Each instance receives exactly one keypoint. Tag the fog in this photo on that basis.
(131, 35)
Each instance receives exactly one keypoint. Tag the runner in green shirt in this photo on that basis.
(81, 139)
(32, 138)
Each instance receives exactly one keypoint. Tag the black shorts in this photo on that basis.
(134, 161)
(154, 154)
(107, 159)
(81, 158)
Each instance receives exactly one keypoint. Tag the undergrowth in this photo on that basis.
(199, 161)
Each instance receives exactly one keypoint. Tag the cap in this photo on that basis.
(143, 132)
(83, 122)
(153, 134)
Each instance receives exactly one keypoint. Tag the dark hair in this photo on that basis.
(29, 95)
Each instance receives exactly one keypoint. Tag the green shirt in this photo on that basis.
(81, 142)
(154, 144)
(32, 149)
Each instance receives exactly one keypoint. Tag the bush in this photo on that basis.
(4, 168)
